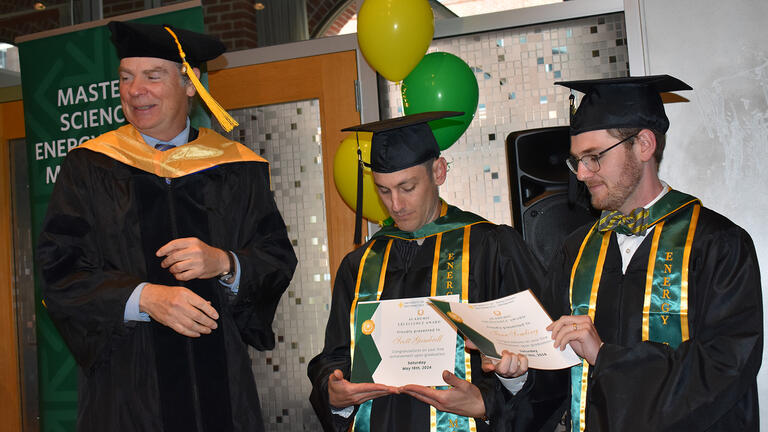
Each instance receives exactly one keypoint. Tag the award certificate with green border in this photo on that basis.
(402, 341)
(516, 323)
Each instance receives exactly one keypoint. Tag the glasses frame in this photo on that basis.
(573, 163)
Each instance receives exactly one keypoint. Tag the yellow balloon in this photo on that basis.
(345, 177)
(394, 35)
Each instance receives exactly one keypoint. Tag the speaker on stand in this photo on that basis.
(539, 182)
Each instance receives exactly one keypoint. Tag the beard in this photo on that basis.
(616, 194)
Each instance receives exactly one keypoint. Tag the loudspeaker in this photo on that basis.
(539, 184)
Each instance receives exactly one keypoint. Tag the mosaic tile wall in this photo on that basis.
(288, 136)
(515, 71)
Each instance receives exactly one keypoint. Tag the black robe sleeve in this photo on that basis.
(85, 295)
(335, 353)
(517, 269)
(267, 262)
(709, 382)
(539, 404)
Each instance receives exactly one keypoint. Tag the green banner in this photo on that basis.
(70, 90)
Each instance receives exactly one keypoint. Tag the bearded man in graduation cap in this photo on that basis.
(163, 253)
(661, 297)
(432, 249)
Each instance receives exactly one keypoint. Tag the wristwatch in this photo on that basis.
(228, 276)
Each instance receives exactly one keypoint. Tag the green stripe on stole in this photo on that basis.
(665, 311)
(665, 315)
(447, 280)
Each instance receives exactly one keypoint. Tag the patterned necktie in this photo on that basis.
(164, 146)
(633, 224)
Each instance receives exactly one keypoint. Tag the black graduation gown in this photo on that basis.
(709, 382)
(500, 264)
(104, 223)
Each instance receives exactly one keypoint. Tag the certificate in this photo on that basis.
(402, 341)
(516, 323)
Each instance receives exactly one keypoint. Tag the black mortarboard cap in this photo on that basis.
(629, 102)
(397, 144)
(134, 39)
(403, 142)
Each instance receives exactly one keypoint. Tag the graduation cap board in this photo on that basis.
(627, 102)
(402, 142)
(397, 144)
(166, 42)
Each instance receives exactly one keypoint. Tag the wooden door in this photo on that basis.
(11, 127)
(330, 78)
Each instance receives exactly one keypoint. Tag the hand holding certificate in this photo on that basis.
(516, 323)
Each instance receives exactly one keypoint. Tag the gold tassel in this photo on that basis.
(225, 120)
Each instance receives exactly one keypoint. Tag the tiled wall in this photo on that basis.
(515, 71)
(288, 136)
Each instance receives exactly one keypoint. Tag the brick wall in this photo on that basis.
(232, 21)
(28, 23)
(320, 11)
(7, 6)
(11, 6)
(341, 20)
(19, 18)
(111, 8)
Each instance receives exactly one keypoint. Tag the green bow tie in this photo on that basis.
(632, 224)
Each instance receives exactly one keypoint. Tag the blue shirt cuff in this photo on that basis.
(513, 385)
(345, 412)
(132, 312)
(235, 285)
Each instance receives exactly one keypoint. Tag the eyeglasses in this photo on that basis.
(591, 161)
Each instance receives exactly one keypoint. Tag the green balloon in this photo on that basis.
(442, 82)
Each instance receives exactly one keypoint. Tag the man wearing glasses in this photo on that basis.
(661, 297)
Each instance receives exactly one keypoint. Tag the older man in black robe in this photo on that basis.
(163, 253)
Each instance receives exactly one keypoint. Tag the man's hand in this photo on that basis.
(342, 393)
(579, 331)
(190, 258)
(509, 366)
(463, 399)
(178, 308)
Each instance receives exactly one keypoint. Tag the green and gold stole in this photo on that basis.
(665, 306)
(450, 275)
